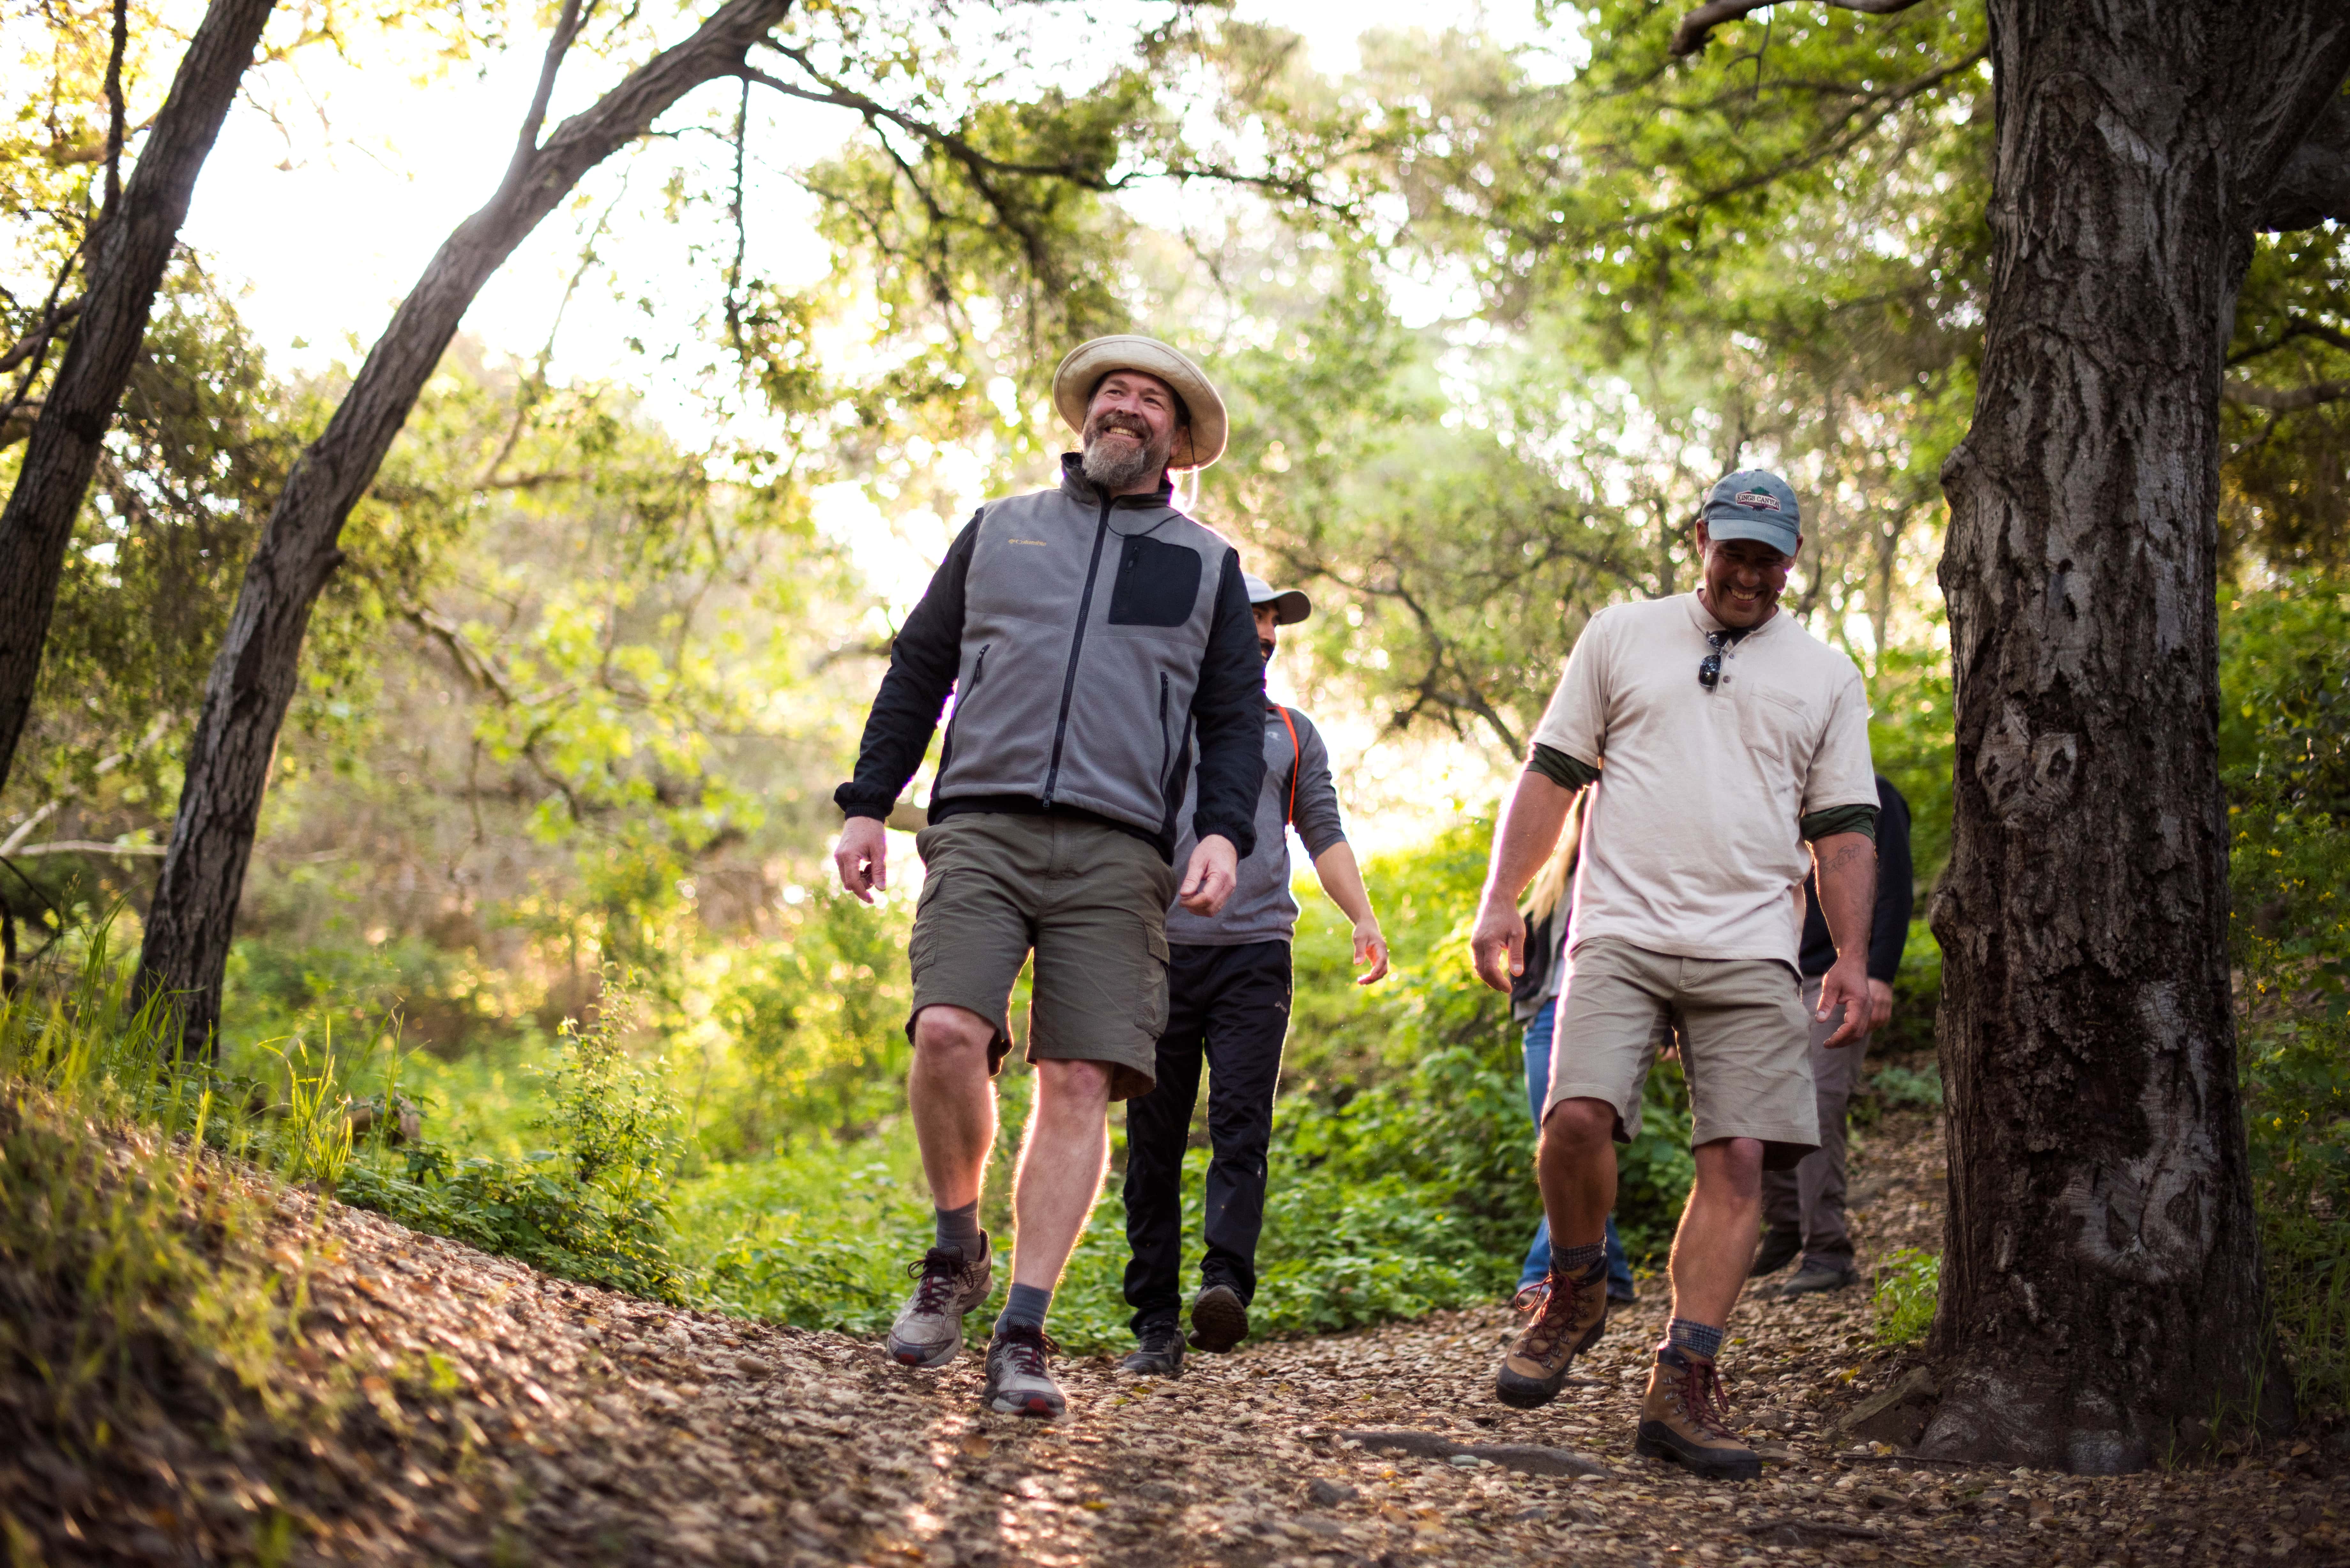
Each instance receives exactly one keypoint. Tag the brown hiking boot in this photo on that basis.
(1569, 1316)
(1683, 1419)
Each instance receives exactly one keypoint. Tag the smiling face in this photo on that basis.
(1131, 429)
(1744, 578)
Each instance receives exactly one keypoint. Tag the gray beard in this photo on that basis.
(1121, 466)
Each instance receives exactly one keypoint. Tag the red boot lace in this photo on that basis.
(1705, 1400)
(1551, 1299)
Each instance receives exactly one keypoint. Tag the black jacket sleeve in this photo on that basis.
(1888, 929)
(1228, 710)
(923, 665)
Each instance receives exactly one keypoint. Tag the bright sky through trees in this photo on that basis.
(328, 195)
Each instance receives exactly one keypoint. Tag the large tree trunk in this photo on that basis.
(132, 248)
(2102, 1282)
(253, 676)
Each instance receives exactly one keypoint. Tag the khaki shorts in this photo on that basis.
(1745, 1043)
(1091, 901)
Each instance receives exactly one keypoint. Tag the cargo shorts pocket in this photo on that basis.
(1154, 982)
(924, 943)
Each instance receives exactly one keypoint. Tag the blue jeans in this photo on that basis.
(1538, 1263)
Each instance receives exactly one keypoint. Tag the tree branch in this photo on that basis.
(115, 113)
(33, 342)
(1858, 122)
(978, 162)
(90, 847)
(2285, 400)
(1699, 25)
(558, 44)
(2295, 327)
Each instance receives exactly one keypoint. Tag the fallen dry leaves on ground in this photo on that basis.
(470, 1411)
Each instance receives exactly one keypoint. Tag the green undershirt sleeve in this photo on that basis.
(1569, 773)
(1838, 819)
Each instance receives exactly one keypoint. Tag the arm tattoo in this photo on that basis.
(1844, 859)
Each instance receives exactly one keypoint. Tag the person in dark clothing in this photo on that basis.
(1227, 1007)
(1803, 1208)
(1085, 631)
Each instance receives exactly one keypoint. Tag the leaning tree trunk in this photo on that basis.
(130, 249)
(253, 676)
(2102, 1282)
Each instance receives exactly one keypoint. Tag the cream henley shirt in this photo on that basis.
(1692, 842)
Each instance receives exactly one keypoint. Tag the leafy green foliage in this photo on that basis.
(2284, 747)
(1909, 1284)
(595, 1207)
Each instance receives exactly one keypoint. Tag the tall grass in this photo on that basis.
(138, 1268)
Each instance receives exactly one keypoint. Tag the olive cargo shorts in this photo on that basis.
(1745, 1043)
(1091, 901)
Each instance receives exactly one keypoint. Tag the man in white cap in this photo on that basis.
(1085, 631)
(1719, 739)
(1228, 1004)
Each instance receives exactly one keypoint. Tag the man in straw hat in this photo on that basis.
(1718, 738)
(1087, 631)
(1228, 1005)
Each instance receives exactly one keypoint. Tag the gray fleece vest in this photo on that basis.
(1097, 718)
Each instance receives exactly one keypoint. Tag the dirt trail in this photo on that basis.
(533, 1421)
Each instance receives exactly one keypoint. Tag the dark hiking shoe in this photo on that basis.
(1814, 1277)
(1568, 1317)
(1159, 1353)
(1622, 1295)
(1778, 1250)
(1684, 1418)
(929, 1330)
(1219, 1320)
(1018, 1381)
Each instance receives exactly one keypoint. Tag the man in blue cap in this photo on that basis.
(1719, 738)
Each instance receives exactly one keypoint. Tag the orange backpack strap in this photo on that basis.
(1296, 761)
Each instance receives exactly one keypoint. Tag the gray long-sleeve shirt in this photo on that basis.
(1261, 910)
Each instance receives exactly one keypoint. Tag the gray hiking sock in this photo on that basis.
(1575, 1261)
(1026, 1307)
(1702, 1340)
(959, 1228)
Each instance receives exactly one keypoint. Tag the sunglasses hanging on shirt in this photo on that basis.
(1709, 669)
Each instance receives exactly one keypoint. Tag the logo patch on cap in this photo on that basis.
(1760, 501)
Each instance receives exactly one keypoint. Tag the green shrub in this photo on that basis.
(815, 1028)
(1909, 1284)
(2284, 746)
(595, 1207)
(817, 1235)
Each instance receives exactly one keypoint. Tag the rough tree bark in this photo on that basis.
(132, 247)
(253, 675)
(2102, 1280)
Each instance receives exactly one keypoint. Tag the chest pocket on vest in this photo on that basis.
(1157, 584)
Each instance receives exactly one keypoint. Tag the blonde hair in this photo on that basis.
(1552, 881)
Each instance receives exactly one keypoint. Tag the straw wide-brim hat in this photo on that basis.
(1088, 363)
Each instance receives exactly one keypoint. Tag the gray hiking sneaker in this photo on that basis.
(1018, 1381)
(1815, 1277)
(929, 1330)
(1219, 1320)
(1159, 1352)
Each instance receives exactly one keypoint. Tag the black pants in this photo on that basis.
(1231, 1006)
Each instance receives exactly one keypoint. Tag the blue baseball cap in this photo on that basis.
(1754, 503)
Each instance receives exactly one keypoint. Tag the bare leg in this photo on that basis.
(1061, 1167)
(1577, 1168)
(1715, 1245)
(953, 1100)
